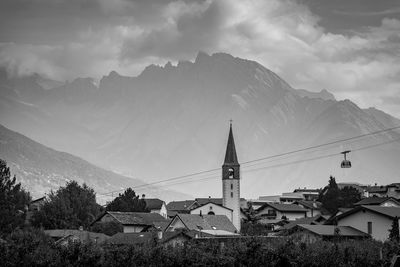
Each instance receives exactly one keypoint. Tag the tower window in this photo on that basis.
(231, 186)
(231, 194)
(231, 173)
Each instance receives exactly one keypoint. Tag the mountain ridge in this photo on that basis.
(172, 120)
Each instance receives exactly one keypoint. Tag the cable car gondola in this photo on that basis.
(345, 163)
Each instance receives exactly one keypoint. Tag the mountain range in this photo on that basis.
(173, 120)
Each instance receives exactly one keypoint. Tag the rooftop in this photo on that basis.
(134, 218)
(284, 207)
(180, 205)
(207, 222)
(332, 230)
(374, 201)
(153, 203)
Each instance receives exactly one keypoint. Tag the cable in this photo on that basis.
(259, 159)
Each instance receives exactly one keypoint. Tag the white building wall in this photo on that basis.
(162, 211)
(218, 210)
(231, 199)
(359, 220)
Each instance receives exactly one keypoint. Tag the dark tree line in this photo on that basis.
(333, 198)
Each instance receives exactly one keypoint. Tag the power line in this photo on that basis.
(261, 159)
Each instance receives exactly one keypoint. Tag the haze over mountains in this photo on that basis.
(173, 120)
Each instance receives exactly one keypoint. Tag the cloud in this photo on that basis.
(96, 37)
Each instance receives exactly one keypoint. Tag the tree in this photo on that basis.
(14, 201)
(394, 234)
(70, 207)
(107, 228)
(128, 201)
(348, 196)
(329, 197)
(333, 198)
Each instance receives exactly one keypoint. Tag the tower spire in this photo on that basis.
(230, 155)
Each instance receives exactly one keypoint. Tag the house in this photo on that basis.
(175, 207)
(168, 239)
(379, 201)
(308, 193)
(280, 211)
(311, 233)
(34, 205)
(376, 191)
(155, 205)
(288, 198)
(374, 220)
(316, 220)
(211, 208)
(393, 190)
(65, 236)
(132, 222)
(313, 207)
(218, 225)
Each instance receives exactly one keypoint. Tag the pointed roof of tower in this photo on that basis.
(230, 155)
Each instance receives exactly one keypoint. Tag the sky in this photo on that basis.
(349, 47)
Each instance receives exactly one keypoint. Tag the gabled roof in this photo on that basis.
(82, 235)
(309, 204)
(202, 201)
(181, 205)
(212, 203)
(308, 220)
(283, 207)
(134, 218)
(205, 222)
(332, 230)
(375, 201)
(389, 212)
(153, 203)
(230, 154)
(37, 200)
(377, 189)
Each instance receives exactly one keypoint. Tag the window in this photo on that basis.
(231, 194)
(211, 213)
(231, 173)
(231, 186)
(370, 228)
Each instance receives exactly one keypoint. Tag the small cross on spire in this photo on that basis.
(230, 122)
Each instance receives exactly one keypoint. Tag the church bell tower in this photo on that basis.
(231, 181)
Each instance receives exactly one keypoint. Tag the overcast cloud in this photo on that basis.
(351, 48)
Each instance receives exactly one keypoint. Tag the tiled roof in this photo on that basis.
(207, 222)
(308, 220)
(329, 230)
(138, 218)
(373, 201)
(310, 204)
(377, 189)
(82, 235)
(180, 205)
(284, 207)
(153, 203)
(212, 203)
(389, 212)
(202, 201)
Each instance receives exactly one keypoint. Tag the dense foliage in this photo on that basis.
(333, 198)
(251, 228)
(14, 201)
(394, 234)
(69, 207)
(127, 201)
(33, 248)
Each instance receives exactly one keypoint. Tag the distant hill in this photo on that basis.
(173, 120)
(41, 169)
